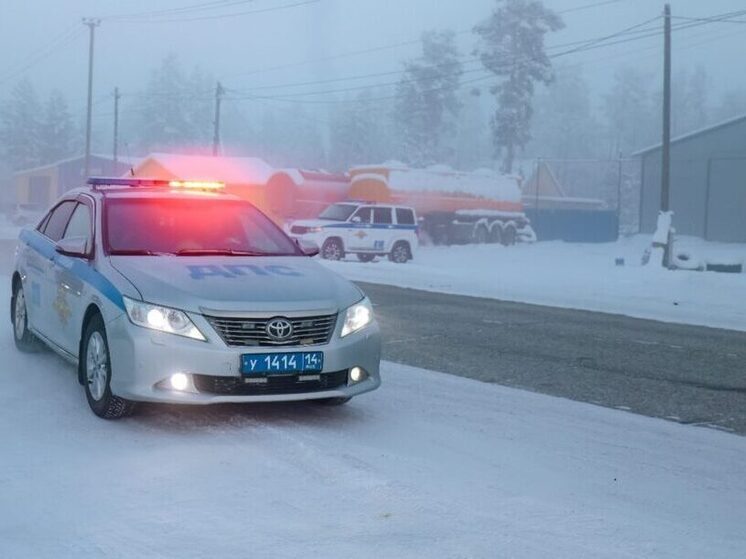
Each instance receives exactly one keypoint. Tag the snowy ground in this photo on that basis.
(582, 276)
(7, 229)
(431, 465)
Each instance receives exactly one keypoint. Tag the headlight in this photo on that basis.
(357, 317)
(162, 319)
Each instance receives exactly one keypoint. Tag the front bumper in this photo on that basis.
(143, 359)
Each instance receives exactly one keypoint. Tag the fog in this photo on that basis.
(268, 43)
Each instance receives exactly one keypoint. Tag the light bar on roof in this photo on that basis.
(154, 183)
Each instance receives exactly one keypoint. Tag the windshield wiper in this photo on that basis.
(134, 252)
(225, 252)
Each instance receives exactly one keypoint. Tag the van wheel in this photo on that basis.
(332, 249)
(96, 362)
(496, 234)
(366, 257)
(24, 339)
(400, 253)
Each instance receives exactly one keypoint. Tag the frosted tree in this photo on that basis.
(57, 133)
(631, 117)
(511, 46)
(357, 132)
(19, 127)
(689, 101)
(427, 100)
(177, 109)
(564, 126)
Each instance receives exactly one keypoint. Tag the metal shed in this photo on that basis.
(708, 183)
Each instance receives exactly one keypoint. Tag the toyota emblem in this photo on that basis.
(279, 329)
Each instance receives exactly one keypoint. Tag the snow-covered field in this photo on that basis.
(431, 465)
(582, 276)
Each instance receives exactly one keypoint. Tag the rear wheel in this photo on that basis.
(496, 234)
(365, 257)
(24, 339)
(96, 362)
(332, 249)
(481, 234)
(509, 236)
(400, 253)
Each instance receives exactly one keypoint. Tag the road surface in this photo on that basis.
(688, 374)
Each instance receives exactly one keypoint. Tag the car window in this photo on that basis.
(364, 214)
(382, 216)
(404, 216)
(55, 225)
(80, 223)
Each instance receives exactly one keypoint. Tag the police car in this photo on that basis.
(365, 229)
(178, 292)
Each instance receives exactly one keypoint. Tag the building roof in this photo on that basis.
(122, 160)
(695, 133)
(230, 170)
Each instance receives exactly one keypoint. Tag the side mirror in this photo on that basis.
(309, 248)
(76, 247)
(356, 219)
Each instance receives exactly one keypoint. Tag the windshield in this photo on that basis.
(338, 212)
(192, 227)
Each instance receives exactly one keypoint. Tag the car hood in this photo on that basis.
(314, 222)
(236, 284)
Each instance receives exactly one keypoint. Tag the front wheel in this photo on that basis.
(332, 249)
(24, 339)
(96, 362)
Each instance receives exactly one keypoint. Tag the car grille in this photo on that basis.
(269, 385)
(309, 330)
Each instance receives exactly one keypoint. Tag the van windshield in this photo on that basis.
(338, 212)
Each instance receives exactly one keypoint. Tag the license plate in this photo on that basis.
(296, 362)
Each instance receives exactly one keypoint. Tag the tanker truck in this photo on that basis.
(453, 207)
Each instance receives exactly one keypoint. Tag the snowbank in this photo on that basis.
(582, 276)
(429, 466)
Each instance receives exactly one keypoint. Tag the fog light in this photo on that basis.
(357, 374)
(179, 381)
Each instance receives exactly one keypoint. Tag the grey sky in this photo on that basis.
(231, 47)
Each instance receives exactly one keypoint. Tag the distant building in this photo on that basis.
(708, 183)
(40, 186)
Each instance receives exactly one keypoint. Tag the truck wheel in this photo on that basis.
(508, 236)
(332, 249)
(400, 253)
(24, 339)
(496, 234)
(365, 257)
(481, 234)
(96, 362)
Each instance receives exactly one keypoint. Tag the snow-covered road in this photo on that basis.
(431, 465)
(578, 276)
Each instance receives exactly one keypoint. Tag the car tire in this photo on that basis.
(496, 234)
(96, 362)
(481, 235)
(24, 339)
(332, 249)
(366, 257)
(509, 236)
(400, 253)
(333, 401)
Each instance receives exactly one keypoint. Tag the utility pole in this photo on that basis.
(91, 23)
(219, 91)
(666, 151)
(115, 156)
(619, 196)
